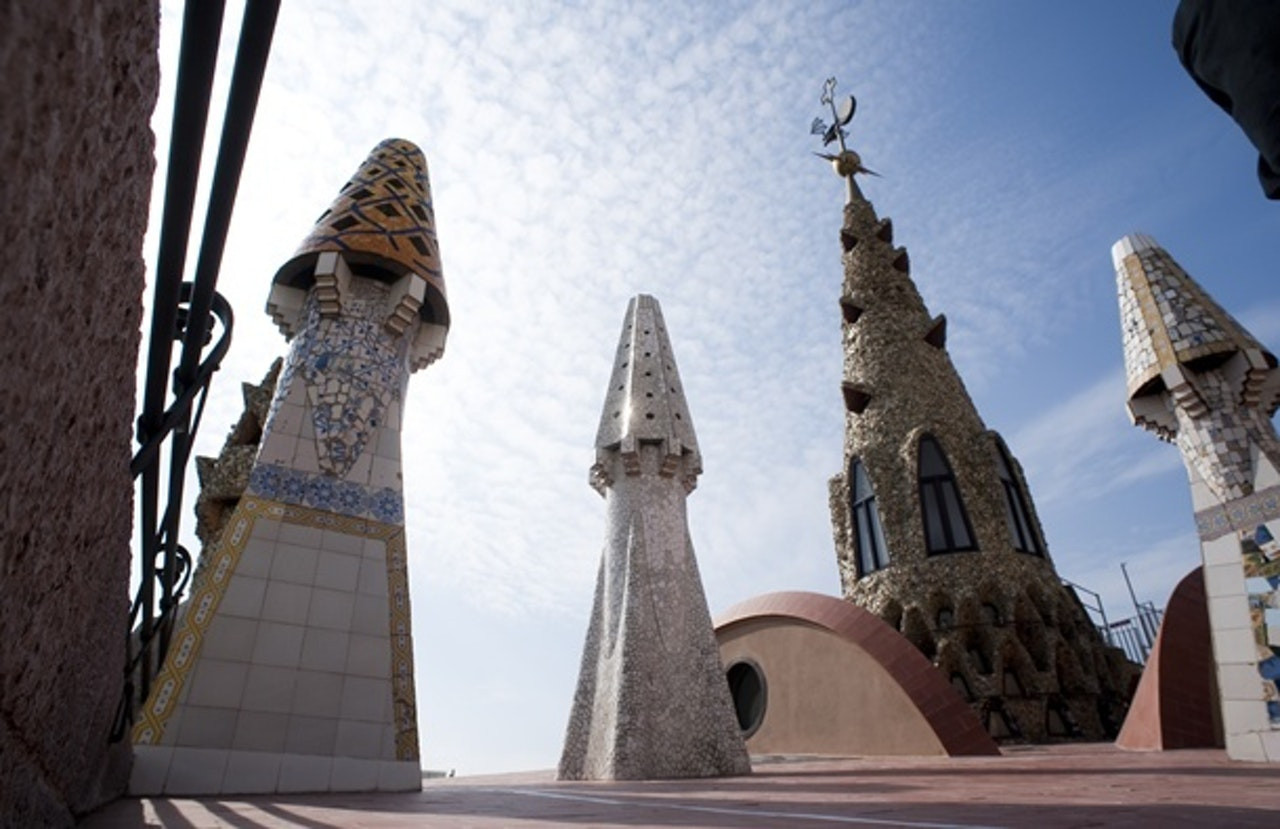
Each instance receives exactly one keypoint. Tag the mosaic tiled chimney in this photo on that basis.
(652, 699)
(291, 668)
(935, 530)
(1198, 379)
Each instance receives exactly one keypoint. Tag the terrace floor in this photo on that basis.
(1036, 786)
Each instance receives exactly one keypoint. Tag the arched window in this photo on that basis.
(872, 552)
(1021, 535)
(946, 526)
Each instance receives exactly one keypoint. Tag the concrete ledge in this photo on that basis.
(170, 770)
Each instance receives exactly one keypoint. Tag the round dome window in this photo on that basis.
(750, 697)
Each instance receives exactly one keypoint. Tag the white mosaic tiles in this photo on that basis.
(645, 401)
(652, 700)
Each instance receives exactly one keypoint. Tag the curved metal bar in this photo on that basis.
(166, 565)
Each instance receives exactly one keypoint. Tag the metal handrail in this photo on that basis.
(166, 566)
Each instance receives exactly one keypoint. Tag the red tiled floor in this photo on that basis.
(1058, 786)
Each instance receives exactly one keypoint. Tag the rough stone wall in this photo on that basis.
(80, 81)
(998, 622)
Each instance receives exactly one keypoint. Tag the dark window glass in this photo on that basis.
(1021, 536)
(946, 525)
(872, 552)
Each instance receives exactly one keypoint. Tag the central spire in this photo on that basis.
(652, 699)
(934, 526)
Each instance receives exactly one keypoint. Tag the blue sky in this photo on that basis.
(581, 153)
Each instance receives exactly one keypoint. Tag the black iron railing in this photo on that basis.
(1134, 635)
(186, 312)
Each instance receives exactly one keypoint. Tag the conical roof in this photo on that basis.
(645, 402)
(1168, 320)
(383, 224)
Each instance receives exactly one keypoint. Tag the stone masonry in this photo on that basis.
(652, 699)
(968, 581)
(80, 82)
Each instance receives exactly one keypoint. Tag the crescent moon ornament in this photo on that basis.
(844, 112)
(846, 162)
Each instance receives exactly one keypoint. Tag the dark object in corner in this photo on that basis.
(1232, 51)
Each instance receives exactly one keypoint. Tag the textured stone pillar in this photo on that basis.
(935, 527)
(1197, 378)
(652, 699)
(291, 668)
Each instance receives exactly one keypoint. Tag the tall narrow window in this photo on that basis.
(946, 526)
(872, 552)
(1021, 535)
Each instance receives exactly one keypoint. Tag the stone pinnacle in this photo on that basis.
(645, 402)
(652, 700)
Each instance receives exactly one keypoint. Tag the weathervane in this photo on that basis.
(847, 163)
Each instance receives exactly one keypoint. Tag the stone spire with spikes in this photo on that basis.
(935, 529)
(652, 699)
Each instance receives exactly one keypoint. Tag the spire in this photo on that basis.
(645, 402)
(652, 701)
(934, 526)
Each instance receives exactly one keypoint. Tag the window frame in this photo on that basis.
(1017, 506)
(864, 516)
(934, 489)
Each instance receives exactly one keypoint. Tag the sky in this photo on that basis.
(583, 152)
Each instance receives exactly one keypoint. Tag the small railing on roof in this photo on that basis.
(1134, 635)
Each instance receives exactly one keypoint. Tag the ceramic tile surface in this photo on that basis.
(1198, 378)
(651, 701)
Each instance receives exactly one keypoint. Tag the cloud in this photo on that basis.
(1085, 448)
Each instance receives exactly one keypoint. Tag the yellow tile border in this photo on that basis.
(211, 585)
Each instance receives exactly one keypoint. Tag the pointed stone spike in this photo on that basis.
(888, 558)
(936, 336)
(856, 397)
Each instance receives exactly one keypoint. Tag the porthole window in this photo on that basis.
(750, 695)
